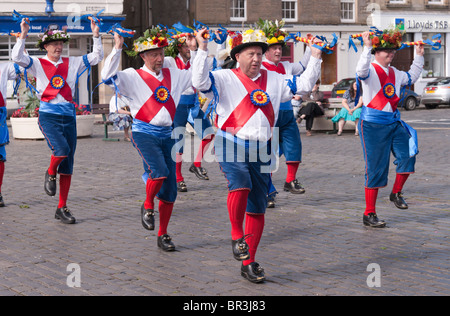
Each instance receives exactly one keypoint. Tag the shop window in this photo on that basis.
(434, 59)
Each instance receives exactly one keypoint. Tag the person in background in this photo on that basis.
(350, 111)
(312, 109)
(120, 115)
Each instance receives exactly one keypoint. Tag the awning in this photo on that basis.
(41, 23)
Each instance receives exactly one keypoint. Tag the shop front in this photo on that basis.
(80, 44)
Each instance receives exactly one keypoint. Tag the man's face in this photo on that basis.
(185, 52)
(274, 53)
(385, 57)
(250, 60)
(154, 59)
(54, 49)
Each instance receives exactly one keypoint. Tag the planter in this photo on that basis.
(85, 125)
(28, 127)
(25, 128)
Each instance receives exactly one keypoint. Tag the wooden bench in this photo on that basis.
(103, 109)
(332, 106)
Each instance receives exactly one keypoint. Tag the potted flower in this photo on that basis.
(85, 121)
(24, 121)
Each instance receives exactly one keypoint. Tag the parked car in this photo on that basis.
(340, 88)
(409, 102)
(436, 92)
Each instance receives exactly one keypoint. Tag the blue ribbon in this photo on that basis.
(386, 118)
(215, 100)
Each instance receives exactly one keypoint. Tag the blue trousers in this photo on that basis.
(156, 153)
(378, 141)
(245, 168)
(4, 133)
(60, 131)
(289, 136)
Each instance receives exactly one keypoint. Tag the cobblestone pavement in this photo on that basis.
(313, 244)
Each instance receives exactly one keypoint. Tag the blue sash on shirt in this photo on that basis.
(158, 131)
(386, 118)
(66, 109)
(285, 106)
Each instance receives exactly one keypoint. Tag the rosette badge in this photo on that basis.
(259, 97)
(162, 94)
(57, 82)
(389, 90)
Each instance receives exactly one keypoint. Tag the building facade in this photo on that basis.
(65, 14)
(420, 19)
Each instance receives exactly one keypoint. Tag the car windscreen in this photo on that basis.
(344, 83)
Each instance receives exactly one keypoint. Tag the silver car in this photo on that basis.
(436, 92)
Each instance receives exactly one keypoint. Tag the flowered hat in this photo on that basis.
(178, 34)
(53, 36)
(273, 31)
(239, 40)
(153, 38)
(386, 40)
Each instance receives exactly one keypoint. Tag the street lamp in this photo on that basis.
(49, 8)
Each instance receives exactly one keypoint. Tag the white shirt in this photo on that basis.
(7, 72)
(231, 93)
(371, 86)
(131, 85)
(293, 68)
(76, 66)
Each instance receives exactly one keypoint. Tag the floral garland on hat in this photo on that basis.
(388, 39)
(53, 36)
(273, 31)
(153, 38)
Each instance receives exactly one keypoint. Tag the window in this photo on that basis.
(438, 2)
(348, 11)
(434, 59)
(289, 10)
(238, 10)
(397, 1)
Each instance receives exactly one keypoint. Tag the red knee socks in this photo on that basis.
(54, 163)
(292, 168)
(201, 151)
(152, 188)
(399, 182)
(165, 212)
(64, 187)
(178, 163)
(371, 200)
(2, 172)
(254, 226)
(237, 204)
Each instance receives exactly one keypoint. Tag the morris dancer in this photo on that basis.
(381, 130)
(8, 71)
(154, 92)
(188, 104)
(56, 78)
(247, 109)
(289, 134)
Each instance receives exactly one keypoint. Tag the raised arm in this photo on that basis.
(416, 68)
(97, 54)
(18, 53)
(112, 62)
(363, 67)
